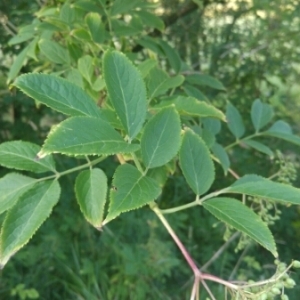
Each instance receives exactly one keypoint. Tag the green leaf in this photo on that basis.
(194, 92)
(131, 190)
(89, 6)
(257, 186)
(23, 156)
(21, 37)
(213, 125)
(192, 107)
(196, 163)
(126, 90)
(85, 136)
(161, 138)
(172, 55)
(282, 130)
(259, 147)
(239, 216)
(75, 77)
(151, 20)
(96, 27)
(99, 84)
(86, 67)
(54, 52)
(67, 13)
(158, 82)
(17, 64)
(261, 114)
(207, 80)
(151, 44)
(221, 154)
(160, 175)
(280, 127)
(123, 6)
(146, 66)
(121, 28)
(91, 190)
(23, 219)
(234, 121)
(12, 187)
(58, 93)
(82, 35)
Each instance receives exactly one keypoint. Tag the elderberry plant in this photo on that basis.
(118, 104)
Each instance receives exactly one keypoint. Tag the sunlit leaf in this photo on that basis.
(85, 136)
(126, 90)
(58, 93)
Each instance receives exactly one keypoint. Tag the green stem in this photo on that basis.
(249, 137)
(196, 202)
(179, 208)
(87, 165)
(137, 163)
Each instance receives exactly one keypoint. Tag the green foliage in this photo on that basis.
(246, 221)
(160, 141)
(58, 94)
(196, 164)
(91, 190)
(149, 111)
(26, 216)
(126, 91)
(131, 190)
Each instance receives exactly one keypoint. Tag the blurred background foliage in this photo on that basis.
(253, 48)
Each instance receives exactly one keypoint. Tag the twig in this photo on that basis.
(220, 251)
